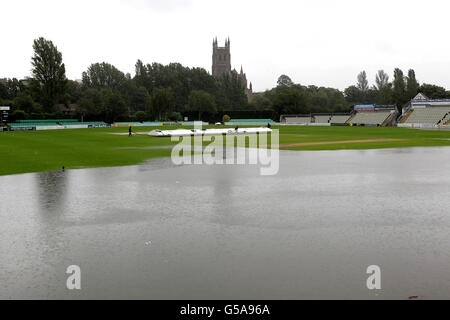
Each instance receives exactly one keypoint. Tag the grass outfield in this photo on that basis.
(35, 151)
(336, 138)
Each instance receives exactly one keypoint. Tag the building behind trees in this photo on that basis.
(221, 63)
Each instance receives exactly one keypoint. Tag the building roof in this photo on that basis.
(420, 96)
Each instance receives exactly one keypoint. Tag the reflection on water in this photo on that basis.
(52, 188)
(161, 231)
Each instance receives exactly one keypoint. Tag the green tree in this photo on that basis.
(385, 95)
(34, 89)
(114, 107)
(86, 108)
(353, 95)
(23, 102)
(141, 75)
(103, 75)
(412, 86)
(175, 116)
(381, 80)
(399, 89)
(14, 87)
(383, 88)
(137, 98)
(90, 104)
(284, 81)
(141, 116)
(362, 84)
(231, 92)
(18, 115)
(226, 118)
(163, 101)
(289, 100)
(181, 79)
(202, 102)
(433, 91)
(3, 92)
(74, 91)
(260, 102)
(49, 70)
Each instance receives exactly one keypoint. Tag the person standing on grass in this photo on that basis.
(129, 131)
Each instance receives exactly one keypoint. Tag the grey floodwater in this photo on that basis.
(159, 231)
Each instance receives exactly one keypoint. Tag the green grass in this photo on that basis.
(35, 151)
(406, 137)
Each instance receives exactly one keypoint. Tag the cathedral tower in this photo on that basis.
(221, 63)
(221, 58)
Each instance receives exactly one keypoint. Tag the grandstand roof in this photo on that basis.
(364, 107)
(430, 102)
(420, 98)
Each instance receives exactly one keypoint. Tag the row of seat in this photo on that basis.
(370, 117)
(298, 120)
(323, 118)
(339, 118)
(431, 115)
(31, 124)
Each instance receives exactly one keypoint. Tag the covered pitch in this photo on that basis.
(206, 132)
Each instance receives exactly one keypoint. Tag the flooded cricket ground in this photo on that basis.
(160, 231)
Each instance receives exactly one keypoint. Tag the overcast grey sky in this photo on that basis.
(320, 42)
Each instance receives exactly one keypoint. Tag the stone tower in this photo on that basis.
(221, 63)
(221, 58)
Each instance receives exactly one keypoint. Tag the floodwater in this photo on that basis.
(159, 231)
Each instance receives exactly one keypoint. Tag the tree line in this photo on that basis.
(396, 92)
(290, 98)
(170, 92)
(156, 92)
